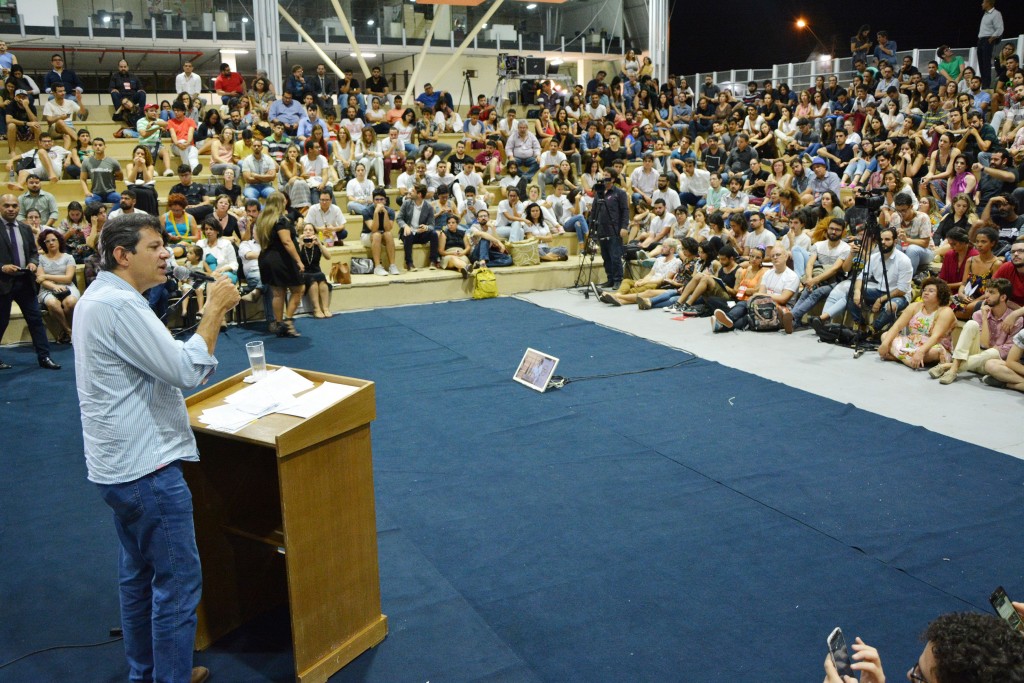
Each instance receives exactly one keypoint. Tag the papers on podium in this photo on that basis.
(281, 391)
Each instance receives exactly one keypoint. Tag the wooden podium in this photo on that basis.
(284, 510)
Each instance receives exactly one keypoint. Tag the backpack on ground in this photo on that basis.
(485, 284)
(763, 314)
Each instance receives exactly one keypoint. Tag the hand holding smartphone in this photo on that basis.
(1004, 608)
(840, 653)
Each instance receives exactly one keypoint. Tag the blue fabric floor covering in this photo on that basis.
(695, 523)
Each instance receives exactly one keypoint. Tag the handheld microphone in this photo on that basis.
(182, 273)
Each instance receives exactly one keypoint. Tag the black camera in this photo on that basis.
(872, 200)
(307, 240)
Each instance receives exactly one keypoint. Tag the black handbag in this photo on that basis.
(25, 163)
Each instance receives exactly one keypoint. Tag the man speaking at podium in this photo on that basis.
(130, 373)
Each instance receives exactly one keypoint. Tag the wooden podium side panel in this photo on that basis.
(237, 518)
(327, 502)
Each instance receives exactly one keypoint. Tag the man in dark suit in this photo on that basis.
(19, 260)
(416, 220)
(324, 86)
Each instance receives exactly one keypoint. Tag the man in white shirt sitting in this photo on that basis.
(466, 177)
(511, 217)
(694, 184)
(662, 225)
(407, 179)
(595, 110)
(327, 218)
(660, 278)
(441, 177)
(550, 159)
(643, 181)
(780, 283)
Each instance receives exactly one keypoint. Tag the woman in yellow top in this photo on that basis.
(180, 226)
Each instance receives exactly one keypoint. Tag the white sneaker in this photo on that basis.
(168, 173)
(393, 269)
(380, 271)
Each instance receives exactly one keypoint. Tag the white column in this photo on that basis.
(267, 26)
(657, 30)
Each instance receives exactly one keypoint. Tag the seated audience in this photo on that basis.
(921, 335)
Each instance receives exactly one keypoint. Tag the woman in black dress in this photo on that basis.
(310, 251)
(280, 265)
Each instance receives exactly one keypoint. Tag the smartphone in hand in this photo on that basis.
(1004, 607)
(840, 653)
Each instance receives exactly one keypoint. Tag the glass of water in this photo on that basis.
(257, 359)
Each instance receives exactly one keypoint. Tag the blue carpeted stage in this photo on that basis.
(691, 524)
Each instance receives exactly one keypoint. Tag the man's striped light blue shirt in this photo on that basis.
(130, 372)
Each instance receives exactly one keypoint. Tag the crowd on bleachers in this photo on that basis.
(731, 177)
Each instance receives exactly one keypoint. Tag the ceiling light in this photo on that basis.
(366, 55)
(369, 22)
(245, 20)
(532, 5)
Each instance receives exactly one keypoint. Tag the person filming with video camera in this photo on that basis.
(610, 215)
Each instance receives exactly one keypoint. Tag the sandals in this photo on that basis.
(287, 329)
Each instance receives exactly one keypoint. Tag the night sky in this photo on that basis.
(716, 36)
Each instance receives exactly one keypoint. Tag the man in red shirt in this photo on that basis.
(229, 85)
(1013, 270)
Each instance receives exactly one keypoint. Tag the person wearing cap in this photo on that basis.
(123, 85)
(427, 99)
(822, 181)
(22, 123)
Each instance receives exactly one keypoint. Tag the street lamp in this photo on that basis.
(801, 24)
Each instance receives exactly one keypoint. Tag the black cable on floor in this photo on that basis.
(58, 647)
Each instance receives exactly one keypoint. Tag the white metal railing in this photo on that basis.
(801, 75)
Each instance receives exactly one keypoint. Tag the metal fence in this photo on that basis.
(800, 75)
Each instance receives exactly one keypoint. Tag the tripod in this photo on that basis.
(598, 213)
(466, 85)
(871, 236)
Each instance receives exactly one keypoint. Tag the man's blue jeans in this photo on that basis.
(528, 167)
(159, 573)
(885, 316)
(108, 198)
(808, 299)
(258, 190)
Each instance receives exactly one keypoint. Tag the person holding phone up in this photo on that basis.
(961, 647)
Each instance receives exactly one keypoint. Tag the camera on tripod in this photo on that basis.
(863, 215)
(872, 200)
